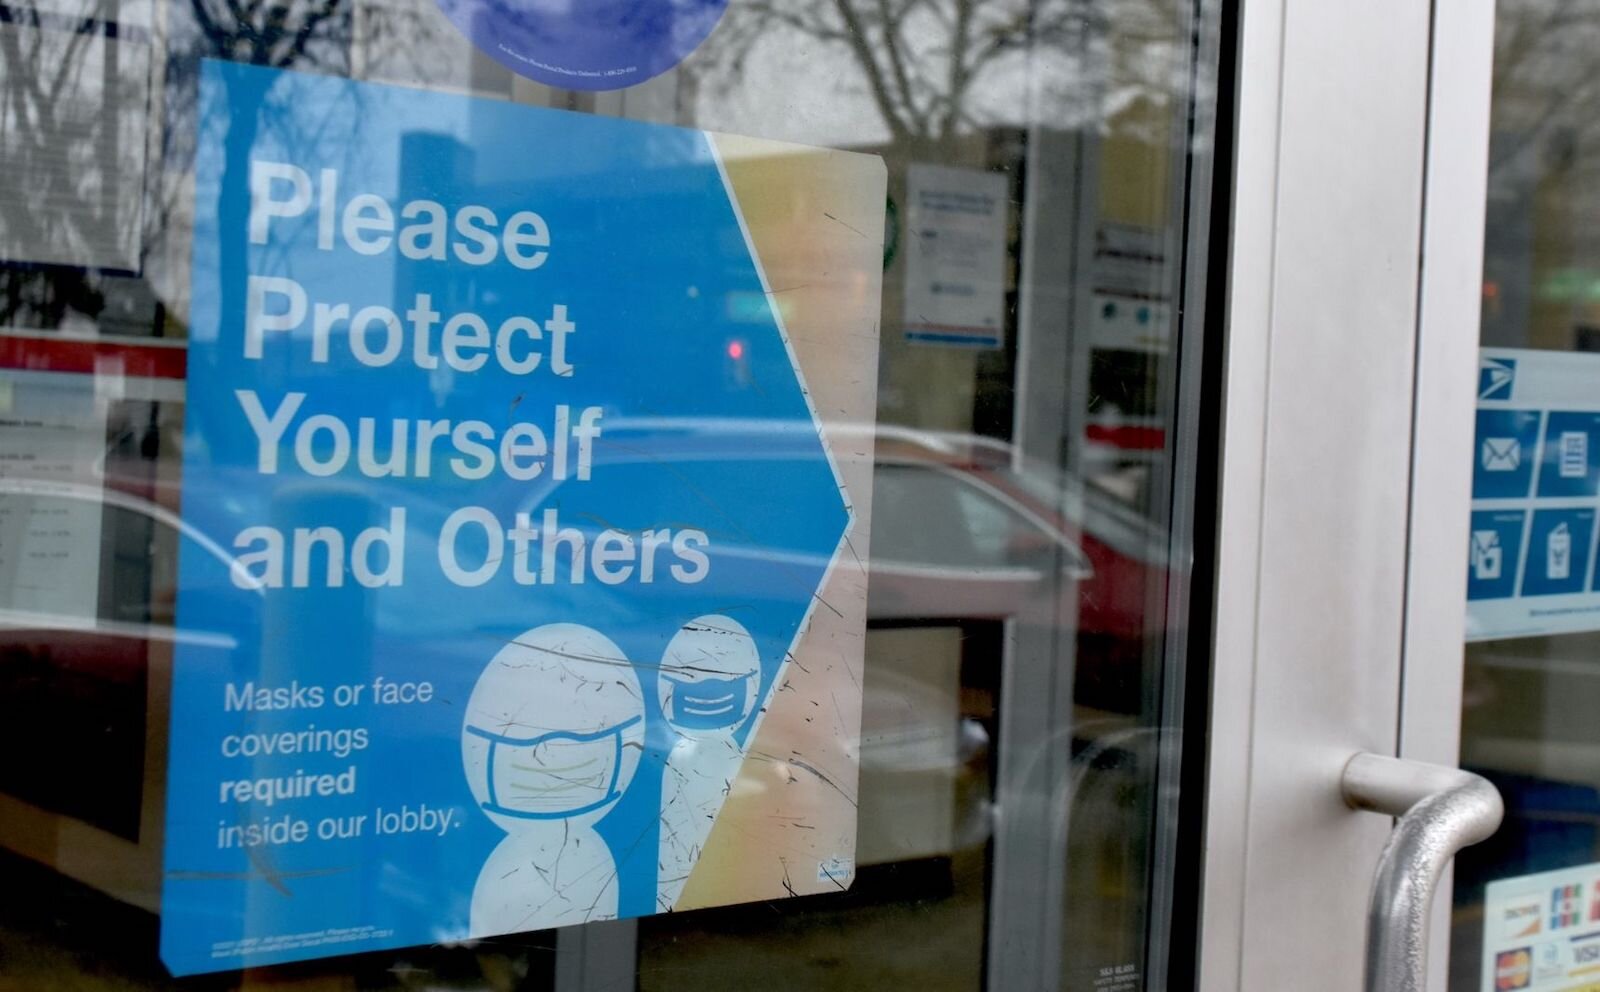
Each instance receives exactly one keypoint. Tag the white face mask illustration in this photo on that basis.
(554, 775)
(710, 675)
(554, 728)
(708, 703)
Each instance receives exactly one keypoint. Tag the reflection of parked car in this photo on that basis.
(972, 534)
(962, 527)
(960, 533)
(968, 530)
(963, 531)
(85, 627)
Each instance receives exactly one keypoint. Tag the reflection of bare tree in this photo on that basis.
(1541, 257)
(308, 35)
(934, 68)
(411, 42)
(298, 33)
(71, 148)
(1545, 78)
(72, 130)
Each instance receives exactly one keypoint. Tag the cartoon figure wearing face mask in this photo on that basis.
(710, 676)
(552, 737)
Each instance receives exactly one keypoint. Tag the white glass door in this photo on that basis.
(520, 494)
(1524, 912)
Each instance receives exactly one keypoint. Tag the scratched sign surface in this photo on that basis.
(524, 459)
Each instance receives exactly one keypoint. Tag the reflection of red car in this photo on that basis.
(960, 531)
(961, 528)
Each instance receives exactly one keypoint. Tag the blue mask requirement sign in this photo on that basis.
(480, 537)
(586, 44)
(1532, 567)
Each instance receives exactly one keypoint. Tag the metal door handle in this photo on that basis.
(1441, 810)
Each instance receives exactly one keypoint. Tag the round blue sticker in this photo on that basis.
(586, 44)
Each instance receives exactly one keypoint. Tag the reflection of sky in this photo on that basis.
(794, 85)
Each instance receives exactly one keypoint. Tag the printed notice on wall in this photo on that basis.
(955, 292)
(1532, 567)
(1129, 296)
(525, 433)
(52, 427)
(1543, 932)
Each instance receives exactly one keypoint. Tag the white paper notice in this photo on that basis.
(1129, 289)
(1543, 931)
(955, 257)
(52, 430)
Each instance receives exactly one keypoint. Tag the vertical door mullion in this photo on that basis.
(1323, 290)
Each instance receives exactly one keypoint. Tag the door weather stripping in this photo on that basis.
(1441, 810)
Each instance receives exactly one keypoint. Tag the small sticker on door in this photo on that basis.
(586, 44)
(1543, 931)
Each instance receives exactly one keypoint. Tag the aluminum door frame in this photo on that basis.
(1450, 304)
(1342, 524)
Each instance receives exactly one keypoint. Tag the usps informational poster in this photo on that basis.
(1532, 567)
(528, 448)
(1543, 932)
(955, 291)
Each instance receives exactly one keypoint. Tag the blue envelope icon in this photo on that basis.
(1501, 454)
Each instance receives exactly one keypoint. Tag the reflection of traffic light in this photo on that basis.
(737, 366)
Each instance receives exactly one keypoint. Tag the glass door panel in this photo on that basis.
(1526, 913)
(986, 300)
